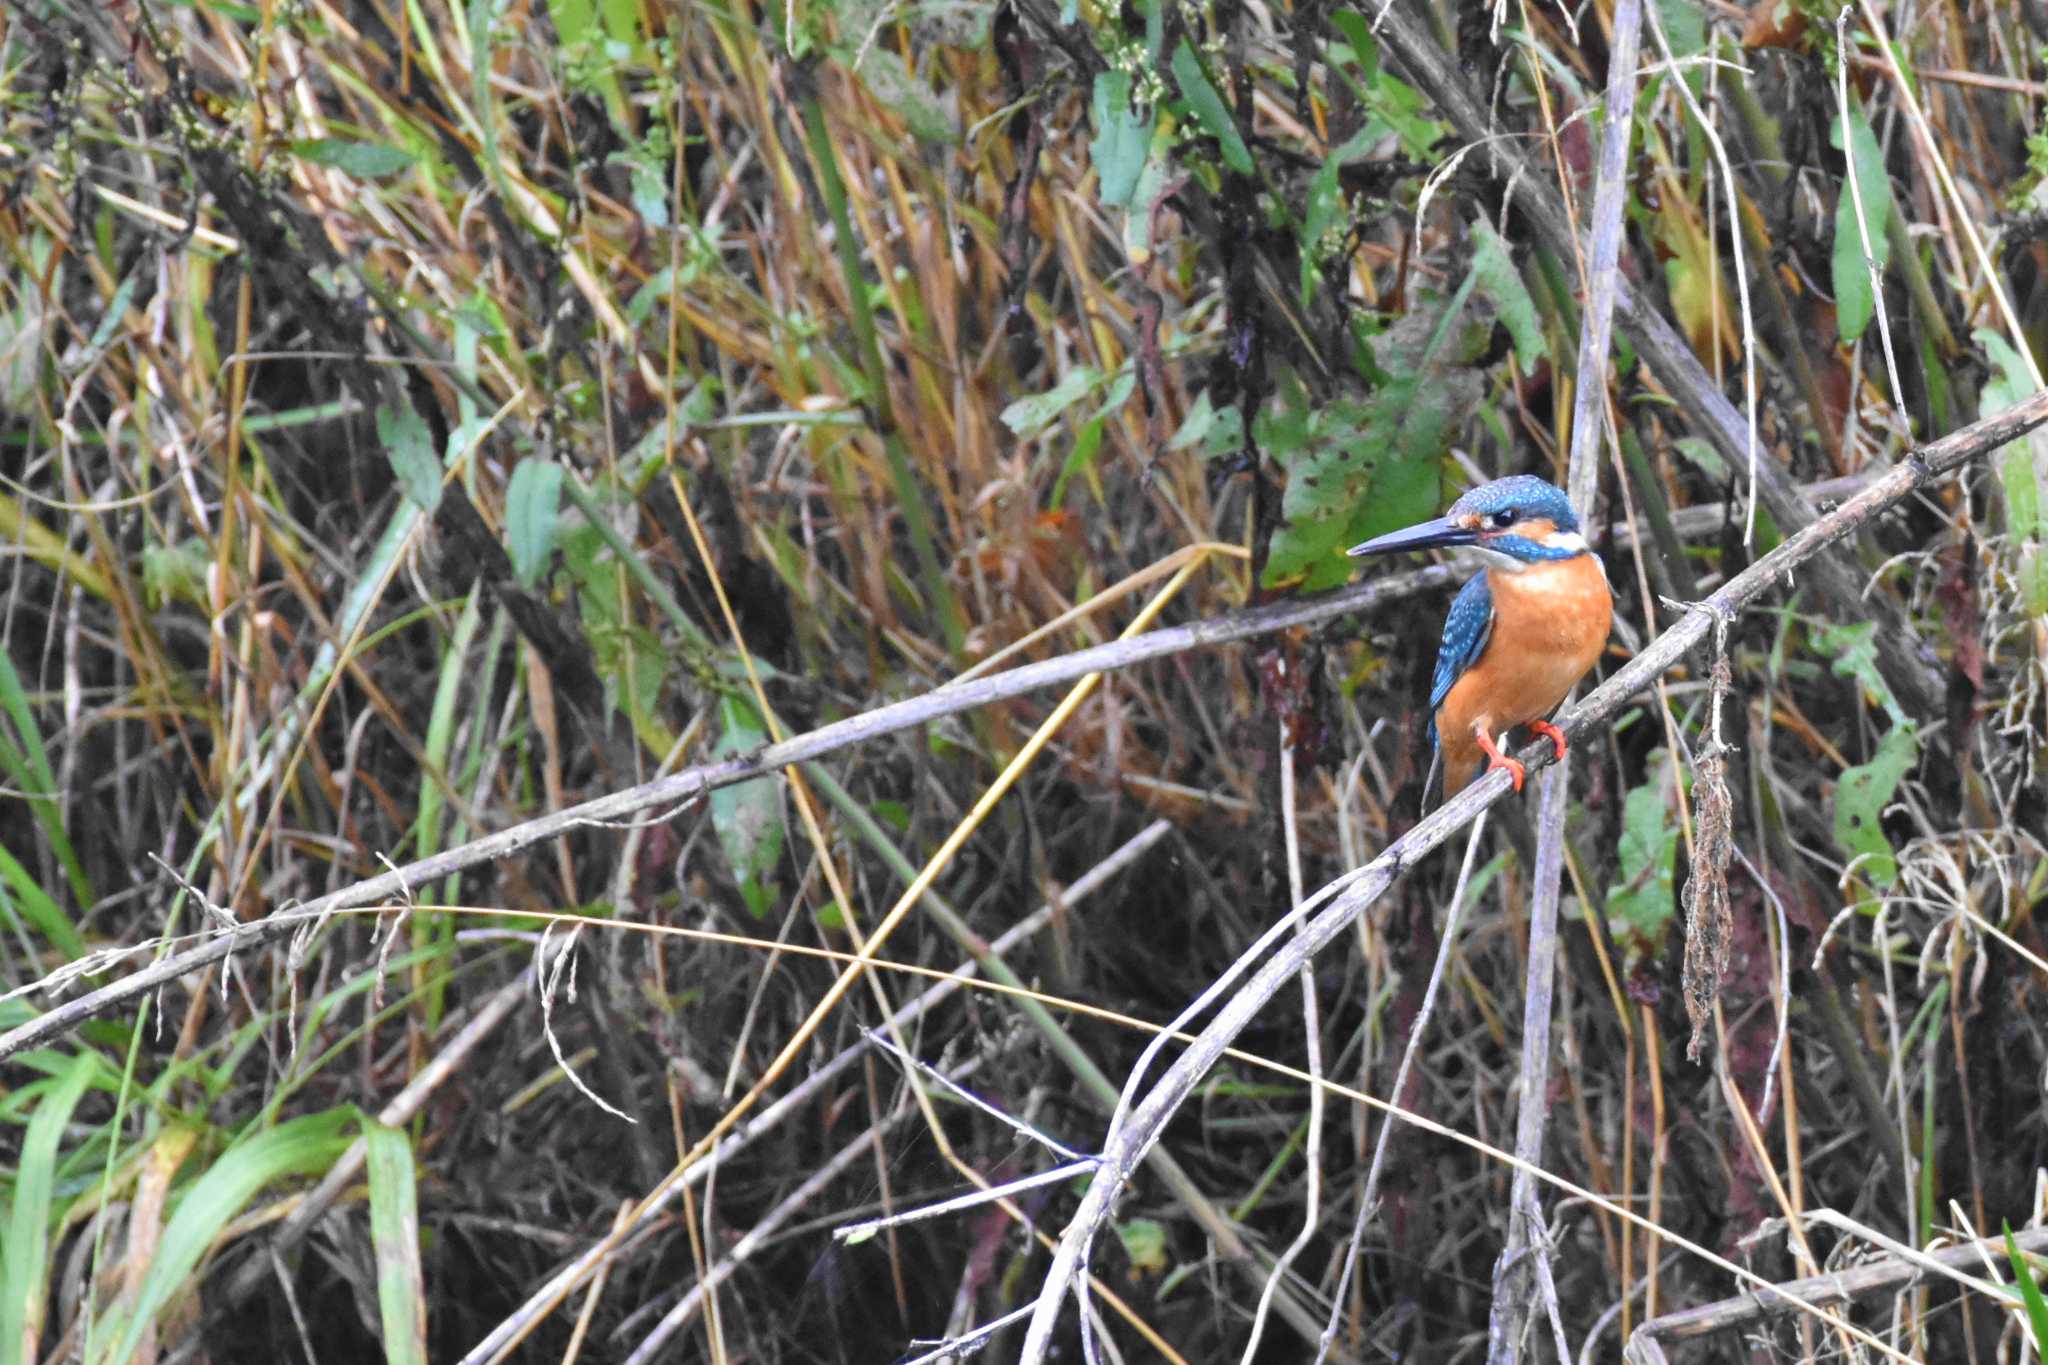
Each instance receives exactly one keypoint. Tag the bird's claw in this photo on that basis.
(1496, 759)
(1551, 733)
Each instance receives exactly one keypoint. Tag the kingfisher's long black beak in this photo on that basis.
(1426, 536)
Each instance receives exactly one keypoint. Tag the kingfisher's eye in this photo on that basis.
(1503, 519)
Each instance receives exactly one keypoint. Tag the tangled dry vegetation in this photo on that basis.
(423, 417)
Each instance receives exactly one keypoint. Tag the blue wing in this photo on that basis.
(1466, 631)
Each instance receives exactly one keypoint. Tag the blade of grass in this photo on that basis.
(25, 1256)
(909, 497)
(300, 1146)
(2030, 1292)
(26, 762)
(395, 1239)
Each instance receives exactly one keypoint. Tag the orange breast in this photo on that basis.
(1549, 625)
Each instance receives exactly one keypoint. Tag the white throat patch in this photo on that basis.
(1570, 542)
(1492, 559)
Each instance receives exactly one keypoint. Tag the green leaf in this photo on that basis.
(1152, 183)
(2033, 575)
(1029, 416)
(395, 1243)
(23, 900)
(1209, 109)
(1145, 1243)
(308, 1145)
(2022, 494)
(2010, 382)
(1643, 903)
(1854, 278)
(365, 160)
(748, 816)
(116, 314)
(25, 1254)
(1080, 460)
(410, 449)
(1123, 140)
(1854, 648)
(1502, 283)
(1357, 31)
(1357, 470)
(2029, 1291)
(1861, 796)
(25, 763)
(1195, 426)
(575, 22)
(889, 80)
(1685, 27)
(1324, 209)
(533, 503)
(1155, 28)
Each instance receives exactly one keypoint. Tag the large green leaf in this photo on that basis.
(1209, 109)
(2021, 471)
(2022, 494)
(1643, 903)
(364, 160)
(1500, 282)
(1854, 276)
(1861, 796)
(1359, 469)
(532, 503)
(410, 448)
(1123, 139)
(1029, 416)
(1854, 648)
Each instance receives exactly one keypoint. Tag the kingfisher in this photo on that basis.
(1521, 634)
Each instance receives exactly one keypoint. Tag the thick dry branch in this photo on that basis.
(681, 789)
(1128, 1141)
(1838, 1287)
(1518, 1277)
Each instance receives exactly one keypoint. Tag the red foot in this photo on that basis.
(1496, 759)
(1551, 733)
